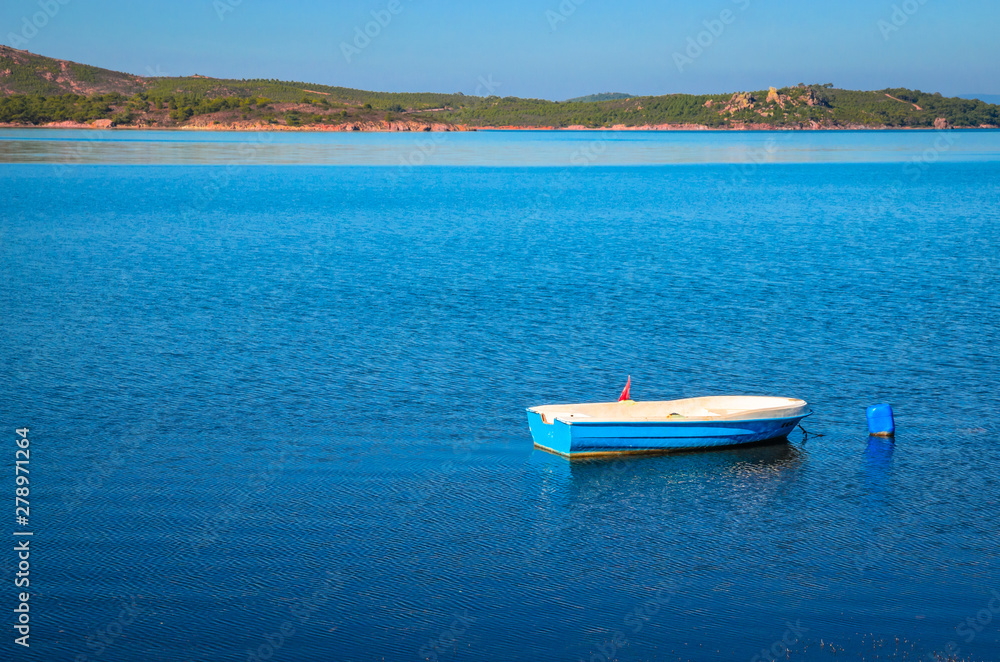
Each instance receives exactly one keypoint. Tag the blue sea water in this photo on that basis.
(276, 411)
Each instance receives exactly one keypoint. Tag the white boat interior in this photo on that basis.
(709, 408)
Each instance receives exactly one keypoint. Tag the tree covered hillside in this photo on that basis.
(37, 90)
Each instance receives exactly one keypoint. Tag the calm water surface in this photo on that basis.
(278, 412)
(494, 148)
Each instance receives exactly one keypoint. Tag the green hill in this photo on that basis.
(37, 90)
(22, 72)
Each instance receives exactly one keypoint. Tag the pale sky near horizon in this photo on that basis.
(553, 49)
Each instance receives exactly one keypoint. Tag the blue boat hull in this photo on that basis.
(580, 439)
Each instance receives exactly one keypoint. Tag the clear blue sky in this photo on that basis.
(533, 48)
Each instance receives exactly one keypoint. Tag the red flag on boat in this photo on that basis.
(624, 395)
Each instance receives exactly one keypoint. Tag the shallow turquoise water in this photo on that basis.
(281, 409)
(495, 148)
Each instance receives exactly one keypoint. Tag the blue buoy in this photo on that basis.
(880, 422)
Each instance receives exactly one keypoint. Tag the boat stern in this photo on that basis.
(552, 436)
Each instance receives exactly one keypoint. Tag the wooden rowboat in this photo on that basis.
(603, 428)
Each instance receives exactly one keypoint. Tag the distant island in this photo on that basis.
(42, 91)
(603, 96)
(985, 98)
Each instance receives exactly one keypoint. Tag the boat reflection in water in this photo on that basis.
(760, 464)
(726, 482)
